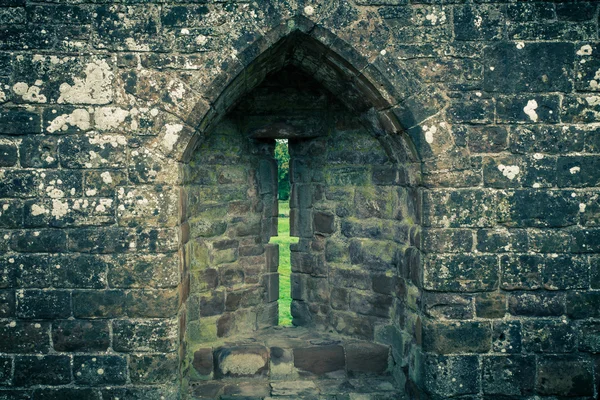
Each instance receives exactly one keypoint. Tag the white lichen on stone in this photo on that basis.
(95, 88)
(429, 132)
(309, 10)
(585, 50)
(574, 170)
(79, 118)
(59, 209)
(29, 93)
(538, 156)
(242, 364)
(509, 171)
(582, 207)
(107, 118)
(530, 108)
(38, 210)
(106, 178)
(171, 135)
(520, 45)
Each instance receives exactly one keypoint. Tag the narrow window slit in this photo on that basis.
(283, 238)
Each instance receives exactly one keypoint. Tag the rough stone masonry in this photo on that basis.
(458, 221)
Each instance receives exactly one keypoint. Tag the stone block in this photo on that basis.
(272, 257)
(506, 336)
(537, 304)
(24, 337)
(241, 361)
(152, 303)
(203, 361)
(582, 304)
(80, 336)
(578, 171)
(101, 240)
(78, 271)
(39, 241)
(282, 363)
(293, 389)
(588, 333)
(153, 368)
(501, 240)
(364, 357)
(320, 360)
(512, 70)
(457, 337)
(564, 375)
(466, 273)
(447, 240)
(144, 271)
(41, 304)
(548, 336)
(448, 376)
(512, 375)
(323, 223)
(543, 209)
(100, 370)
(42, 370)
(528, 109)
(39, 152)
(66, 394)
(271, 286)
(373, 254)
(478, 22)
(455, 209)
(99, 304)
(7, 303)
(6, 368)
(371, 304)
(521, 272)
(144, 335)
(17, 121)
(490, 305)
(447, 305)
(12, 215)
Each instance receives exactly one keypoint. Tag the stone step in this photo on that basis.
(328, 389)
(292, 355)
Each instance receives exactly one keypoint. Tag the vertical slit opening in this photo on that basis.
(283, 238)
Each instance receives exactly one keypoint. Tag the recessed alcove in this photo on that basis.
(353, 209)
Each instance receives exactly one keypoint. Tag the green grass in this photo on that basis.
(284, 240)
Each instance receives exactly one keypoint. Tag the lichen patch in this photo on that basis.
(95, 88)
(509, 171)
(530, 108)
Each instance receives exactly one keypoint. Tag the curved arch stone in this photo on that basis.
(391, 100)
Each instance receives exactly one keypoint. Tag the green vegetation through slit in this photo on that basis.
(283, 238)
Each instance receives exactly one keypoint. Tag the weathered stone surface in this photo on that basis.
(144, 335)
(320, 360)
(80, 336)
(511, 67)
(241, 361)
(44, 370)
(203, 361)
(564, 376)
(508, 375)
(24, 337)
(452, 375)
(457, 337)
(100, 370)
(364, 357)
(153, 369)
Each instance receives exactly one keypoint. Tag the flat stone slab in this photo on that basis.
(242, 361)
(320, 360)
(294, 388)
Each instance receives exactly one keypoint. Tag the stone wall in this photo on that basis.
(103, 106)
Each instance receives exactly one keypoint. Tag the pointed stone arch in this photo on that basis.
(391, 101)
